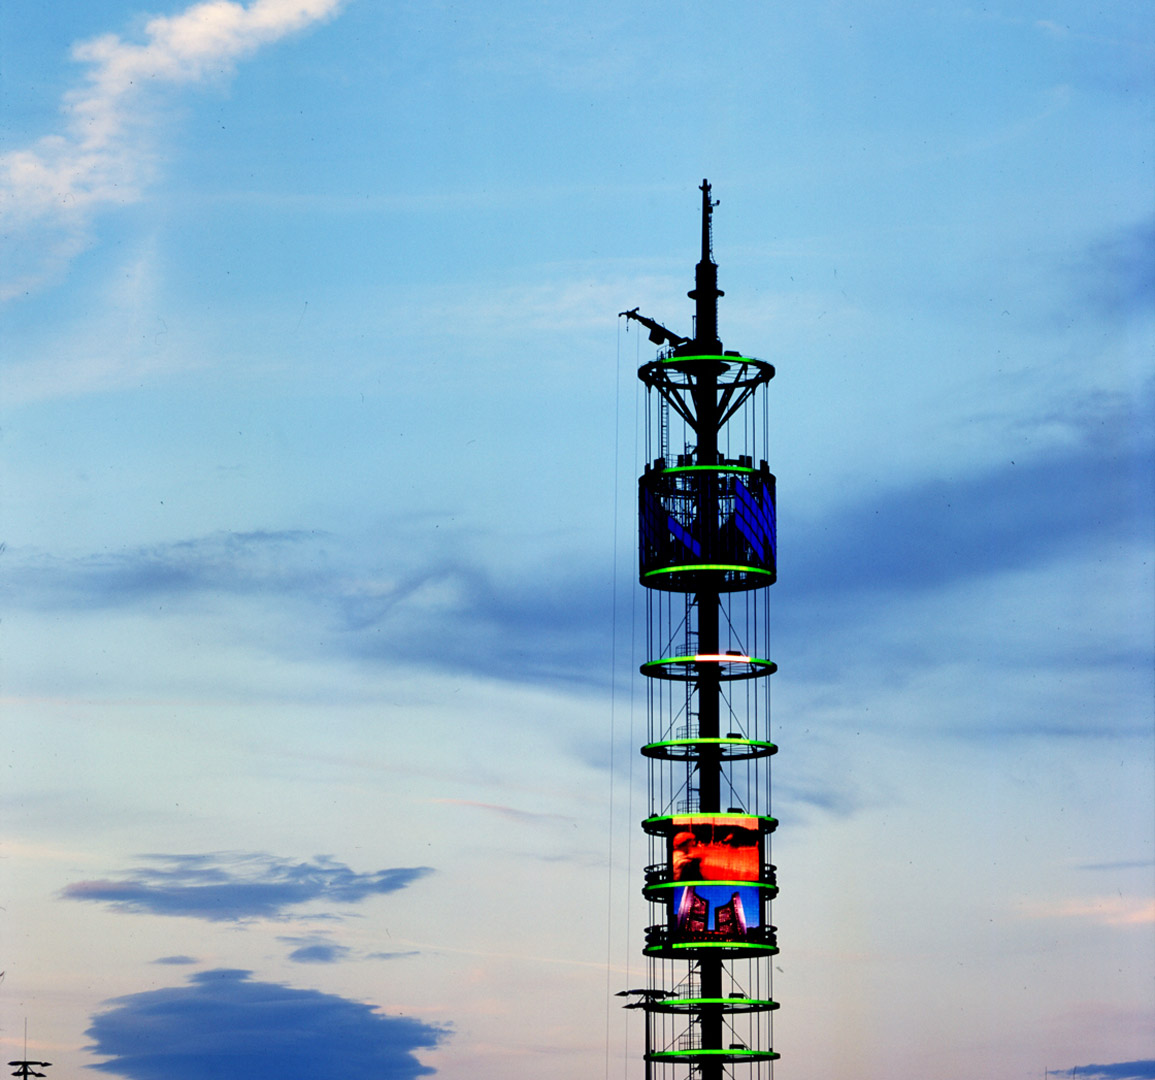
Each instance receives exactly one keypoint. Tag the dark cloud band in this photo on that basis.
(225, 1024)
(230, 886)
(1120, 1070)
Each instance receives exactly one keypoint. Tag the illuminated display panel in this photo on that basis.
(715, 865)
(714, 519)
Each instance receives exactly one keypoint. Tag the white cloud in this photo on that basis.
(1105, 910)
(50, 191)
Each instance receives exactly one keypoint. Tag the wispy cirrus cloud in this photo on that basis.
(225, 1023)
(1105, 910)
(936, 533)
(50, 191)
(260, 561)
(379, 606)
(1116, 274)
(1123, 864)
(384, 605)
(227, 886)
(510, 813)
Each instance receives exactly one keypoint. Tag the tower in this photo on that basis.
(707, 554)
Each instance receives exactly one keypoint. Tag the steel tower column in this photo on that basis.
(707, 534)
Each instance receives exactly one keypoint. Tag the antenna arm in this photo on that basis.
(659, 335)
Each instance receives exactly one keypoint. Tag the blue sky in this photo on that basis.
(319, 442)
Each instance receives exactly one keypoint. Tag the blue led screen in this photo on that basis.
(683, 536)
(754, 522)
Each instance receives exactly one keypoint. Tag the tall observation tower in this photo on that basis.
(707, 553)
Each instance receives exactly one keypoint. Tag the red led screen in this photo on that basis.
(719, 860)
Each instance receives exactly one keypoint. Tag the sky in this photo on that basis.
(319, 435)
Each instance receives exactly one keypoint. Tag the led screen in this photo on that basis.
(715, 865)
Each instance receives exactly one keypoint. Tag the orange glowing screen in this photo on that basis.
(711, 847)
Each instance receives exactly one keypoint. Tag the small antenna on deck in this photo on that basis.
(26, 1068)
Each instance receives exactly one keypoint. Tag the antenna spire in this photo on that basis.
(25, 1068)
(708, 205)
(706, 292)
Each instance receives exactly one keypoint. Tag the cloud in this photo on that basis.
(375, 608)
(1121, 1070)
(1105, 910)
(940, 532)
(510, 813)
(319, 953)
(315, 950)
(1131, 864)
(1116, 275)
(384, 604)
(319, 949)
(50, 192)
(225, 1024)
(176, 960)
(237, 563)
(837, 799)
(231, 886)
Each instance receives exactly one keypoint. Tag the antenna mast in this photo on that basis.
(706, 292)
(28, 1068)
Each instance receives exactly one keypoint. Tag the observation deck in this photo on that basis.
(707, 526)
